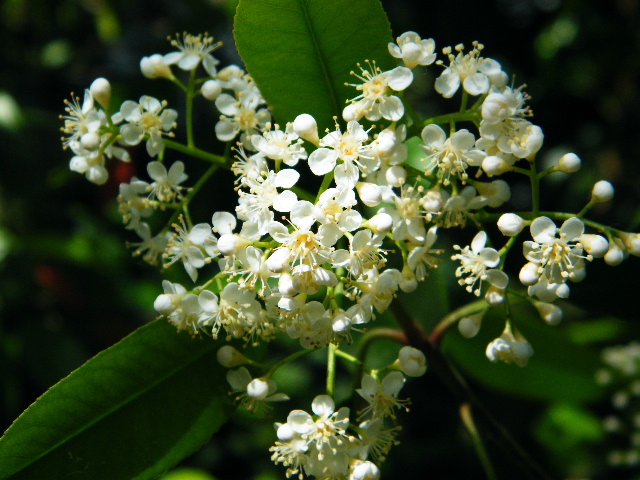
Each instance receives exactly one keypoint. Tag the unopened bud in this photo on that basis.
(381, 223)
(154, 67)
(602, 192)
(615, 255)
(306, 127)
(494, 165)
(411, 362)
(510, 224)
(595, 245)
(631, 243)
(370, 193)
(229, 357)
(230, 244)
(550, 313)
(569, 163)
(258, 389)
(470, 326)
(101, 91)
(396, 176)
(211, 89)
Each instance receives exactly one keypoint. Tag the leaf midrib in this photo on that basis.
(127, 400)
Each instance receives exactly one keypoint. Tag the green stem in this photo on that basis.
(331, 369)
(192, 192)
(190, 96)
(194, 152)
(467, 419)
(452, 117)
(326, 181)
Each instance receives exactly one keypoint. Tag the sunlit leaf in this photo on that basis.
(300, 52)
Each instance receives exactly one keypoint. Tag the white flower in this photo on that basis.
(556, 258)
(254, 392)
(148, 117)
(301, 245)
(241, 115)
(477, 265)
(81, 120)
(412, 50)
(381, 396)
(349, 147)
(188, 246)
(421, 257)
(375, 101)
(283, 146)
(476, 74)
(450, 156)
(364, 253)
(151, 247)
(192, 50)
(166, 185)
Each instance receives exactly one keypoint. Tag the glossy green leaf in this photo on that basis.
(300, 52)
(559, 369)
(131, 412)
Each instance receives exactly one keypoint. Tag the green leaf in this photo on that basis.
(300, 52)
(131, 412)
(559, 369)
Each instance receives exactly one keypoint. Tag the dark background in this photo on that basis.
(69, 289)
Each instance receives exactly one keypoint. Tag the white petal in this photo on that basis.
(543, 230)
(322, 161)
(399, 78)
(572, 228)
(433, 136)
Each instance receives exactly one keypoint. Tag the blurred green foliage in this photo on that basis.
(68, 288)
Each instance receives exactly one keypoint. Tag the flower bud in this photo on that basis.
(396, 176)
(615, 255)
(411, 362)
(229, 357)
(497, 192)
(90, 141)
(166, 303)
(602, 192)
(632, 243)
(595, 245)
(154, 67)
(211, 89)
(258, 389)
(381, 223)
(230, 244)
(510, 224)
(569, 163)
(494, 295)
(529, 274)
(470, 326)
(550, 313)
(364, 470)
(306, 127)
(101, 91)
(494, 165)
(409, 282)
(370, 193)
(285, 284)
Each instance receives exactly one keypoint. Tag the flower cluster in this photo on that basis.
(322, 445)
(320, 266)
